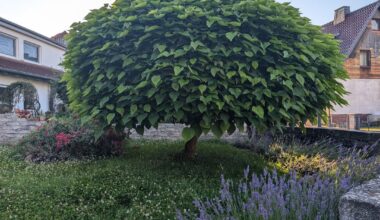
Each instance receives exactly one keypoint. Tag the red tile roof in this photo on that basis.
(19, 67)
(350, 31)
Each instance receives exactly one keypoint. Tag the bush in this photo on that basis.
(211, 65)
(64, 139)
(273, 196)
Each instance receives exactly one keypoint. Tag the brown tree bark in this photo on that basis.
(115, 140)
(191, 148)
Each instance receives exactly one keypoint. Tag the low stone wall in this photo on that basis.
(174, 132)
(341, 135)
(348, 138)
(362, 202)
(13, 128)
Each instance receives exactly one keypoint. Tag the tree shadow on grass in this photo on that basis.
(213, 158)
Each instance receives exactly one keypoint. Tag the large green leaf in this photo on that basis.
(202, 88)
(147, 108)
(216, 130)
(300, 79)
(110, 117)
(120, 111)
(156, 80)
(178, 70)
(188, 133)
(231, 35)
(133, 109)
(259, 111)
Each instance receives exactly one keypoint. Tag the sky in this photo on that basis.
(50, 17)
(322, 11)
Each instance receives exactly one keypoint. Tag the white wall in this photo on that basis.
(50, 56)
(364, 97)
(43, 89)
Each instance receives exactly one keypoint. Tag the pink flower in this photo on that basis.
(62, 139)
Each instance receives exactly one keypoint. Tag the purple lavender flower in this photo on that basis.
(274, 196)
(246, 172)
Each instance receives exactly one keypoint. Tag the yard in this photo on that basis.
(137, 64)
(146, 183)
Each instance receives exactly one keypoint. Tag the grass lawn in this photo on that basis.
(146, 183)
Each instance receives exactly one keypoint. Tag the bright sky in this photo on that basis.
(50, 17)
(322, 11)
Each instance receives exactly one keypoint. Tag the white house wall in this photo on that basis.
(50, 56)
(364, 97)
(43, 88)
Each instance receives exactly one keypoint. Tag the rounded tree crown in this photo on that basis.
(209, 64)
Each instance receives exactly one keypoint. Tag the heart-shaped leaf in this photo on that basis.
(156, 80)
(133, 109)
(300, 79)
(120, 111)
(216, 130)
(178, 70)
(259, 111)
(188, 134)
(110, 117)
(255, 65)
(202, 88)
(147, 108)
(231, 35)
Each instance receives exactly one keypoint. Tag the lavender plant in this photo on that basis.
(273, 196)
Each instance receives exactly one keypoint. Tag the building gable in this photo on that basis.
(351, 29)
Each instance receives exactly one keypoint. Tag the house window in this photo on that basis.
(7, 45)
(3, 94)
(375, 23)
(31, 52)
(365, 58)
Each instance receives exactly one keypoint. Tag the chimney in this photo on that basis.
(340, 14)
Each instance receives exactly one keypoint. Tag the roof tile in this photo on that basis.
(29, 69)
(351, 29)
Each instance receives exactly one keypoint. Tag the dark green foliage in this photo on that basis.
(210, 64)
(64, 139)
(60, 90)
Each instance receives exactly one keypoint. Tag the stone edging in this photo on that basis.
(13, 128)
(362, 202)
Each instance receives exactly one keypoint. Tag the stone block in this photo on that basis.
(362, 202)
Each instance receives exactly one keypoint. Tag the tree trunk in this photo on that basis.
(190, 148)
(115, 140)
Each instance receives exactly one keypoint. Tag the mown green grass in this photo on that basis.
(148, 182)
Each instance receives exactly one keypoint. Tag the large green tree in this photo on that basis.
(213, 65)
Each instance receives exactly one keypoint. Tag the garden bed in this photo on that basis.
(149, 181)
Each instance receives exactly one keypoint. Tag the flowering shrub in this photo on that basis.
(63, 139)
(273, 196)
(270, 196)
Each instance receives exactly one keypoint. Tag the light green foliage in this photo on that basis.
(210, 64)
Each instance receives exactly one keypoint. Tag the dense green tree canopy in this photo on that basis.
(210, 64)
